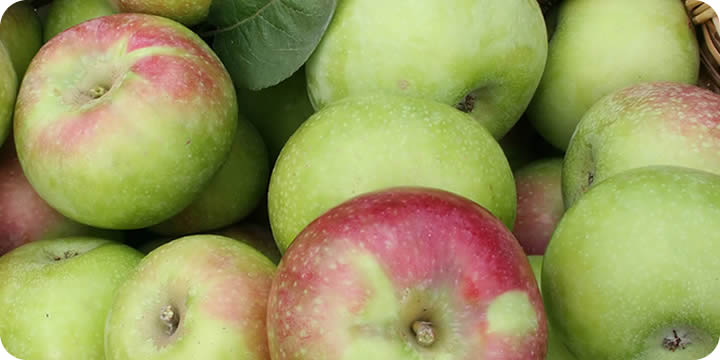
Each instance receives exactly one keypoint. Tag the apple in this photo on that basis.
(234, 191)
(56, 294)
(406, 273)
(523, 145)
(8, 92)
(123, 120)
(656, 123)
(258, 236)
(188, 12)
(631, 270)
(484, 57)
(368, 143)
(556, 350)
(277, 111)
(64, 14)
(539, 203)
(197, 297)
(21, 32)
(602, 46)
(24, 216)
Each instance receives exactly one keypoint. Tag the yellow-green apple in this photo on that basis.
(631, 269)
(21, 32)
(55, 296)
(8, 92)
(556, 350)
(188, 12)
(258, 236)
(64, 14)
(485, 57)
(602, 46)
(232, 194)
(539, 203)
(277, 111)
(368, 143)
(121, 121)
(197, 297)
(24, 216)
(645, 124)
(406, 273)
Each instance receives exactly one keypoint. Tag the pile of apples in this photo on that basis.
(460, 179)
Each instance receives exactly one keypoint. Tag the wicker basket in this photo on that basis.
(707, 24)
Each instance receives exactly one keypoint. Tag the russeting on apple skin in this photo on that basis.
(196, 297)
(122, 120)
(484, 56)
(55, 296)
(657, 123)
(631, 271)
(368, 143)
(406, 273)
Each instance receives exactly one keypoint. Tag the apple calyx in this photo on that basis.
(65, 255)
(424, 332)
(467, 104)
(170, 318)
(674, 342)
(98, 91)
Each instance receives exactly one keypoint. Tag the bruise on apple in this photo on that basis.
(406, 273)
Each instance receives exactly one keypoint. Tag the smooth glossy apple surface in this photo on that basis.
(197, 297)
(8, 92)
(122, 120)
(540, 205)
(406, 273)
(64, 14)
(485, 57)
(188, 12)
(369, 143)
(601, 46)
(646, 124)
(21, 32)
(55, 296)
(631, 270)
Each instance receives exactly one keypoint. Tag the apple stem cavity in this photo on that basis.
(170, 319)
(424, 332)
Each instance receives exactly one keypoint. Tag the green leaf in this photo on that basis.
(262, 42)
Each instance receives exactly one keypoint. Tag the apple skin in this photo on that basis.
(64, 14)
(368, 143)
(487, 55)
(602, 46)
(234, 191)
(24, 216)
(539, 206)
(656, 123)
(358, 277)
(56, 294)
(634, 260)
(277, 111)
(21, 32)
(556, 350)
(187, 12)
(218, 288)
(126, 146)
(8, 93)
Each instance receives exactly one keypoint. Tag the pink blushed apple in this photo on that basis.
(122, 120)
(406, 273)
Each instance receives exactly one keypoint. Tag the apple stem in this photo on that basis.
(424, 333)
(170, 319)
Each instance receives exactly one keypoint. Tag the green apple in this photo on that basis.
(277, 111)
(197, 297)
(234, 191)
(21, 32)
(8, 93)
(631, 270)
(64, 14)
(55, 296)
(646, 124)
(601, 46)
(540, 205)
(258, 236)
(556, 350)
(187, 12)
(121, 121)
(368, 143)
(484, 56)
